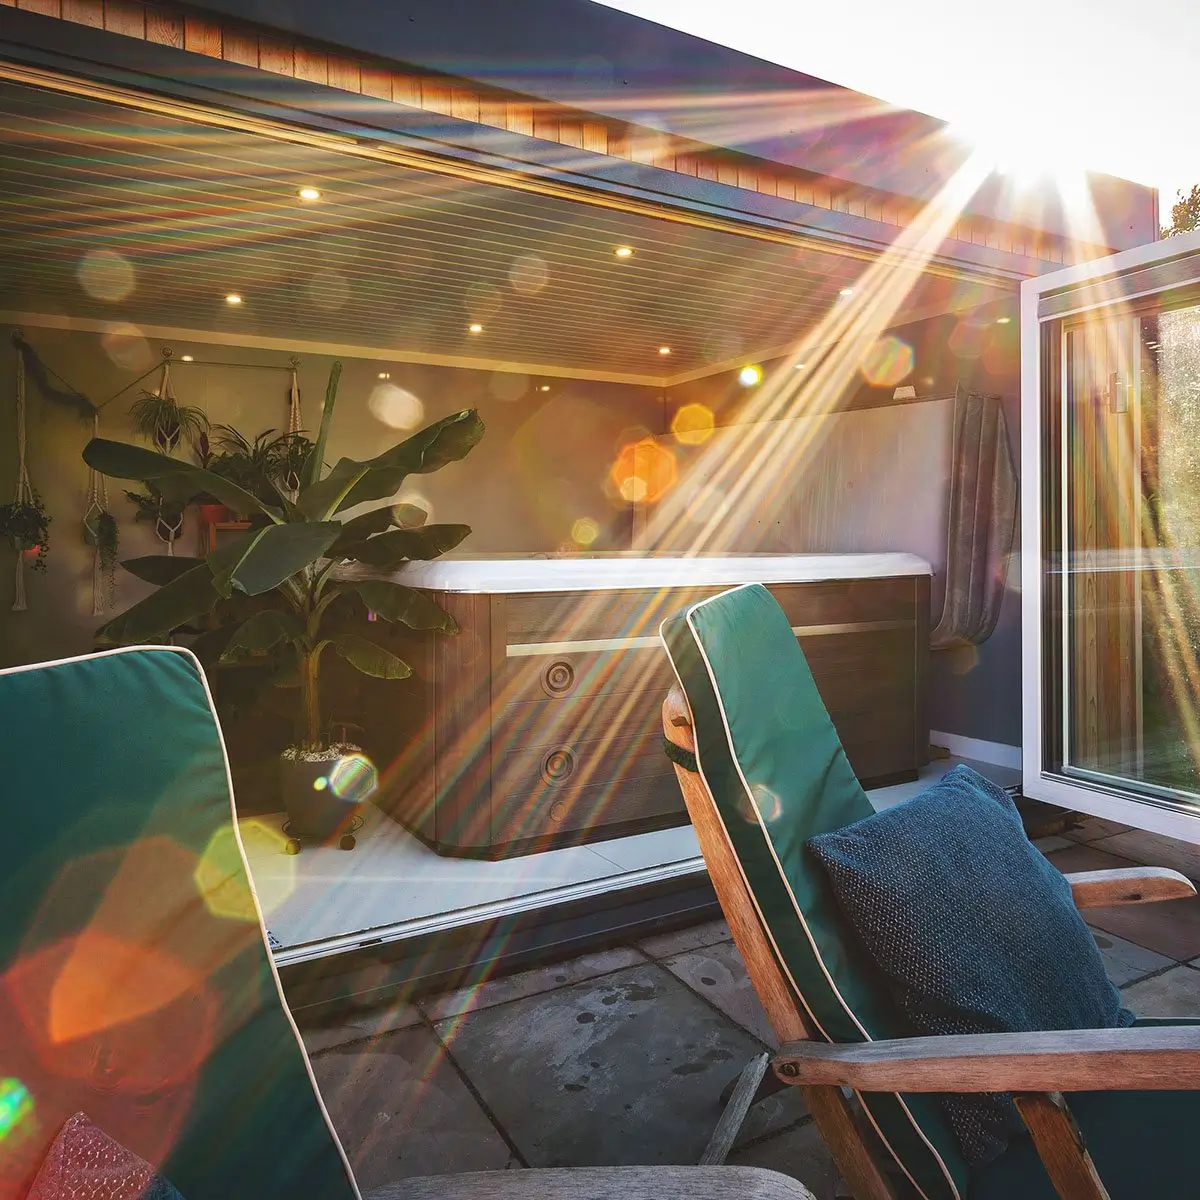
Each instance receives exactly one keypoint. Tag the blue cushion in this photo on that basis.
(973, 929)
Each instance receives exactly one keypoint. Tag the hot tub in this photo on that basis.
(540, 719)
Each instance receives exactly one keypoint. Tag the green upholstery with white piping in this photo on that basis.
(769, 754)
(136, 982)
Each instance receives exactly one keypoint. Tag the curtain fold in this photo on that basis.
(982, 519)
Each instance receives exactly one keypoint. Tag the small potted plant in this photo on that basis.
(164, 422)
(25, 523)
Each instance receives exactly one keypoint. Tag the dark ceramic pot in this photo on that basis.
(323, 797)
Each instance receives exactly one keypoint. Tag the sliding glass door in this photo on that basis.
(1111, 434)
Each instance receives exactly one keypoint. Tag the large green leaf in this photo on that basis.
(405, 516)
(311, 471)
(176, 480)
(191, 595)
(369, 658)
(271, 555)
(388, 550)
(261, 632)
(320, 499)
(403, 605)
(443, 442)
(159, 569)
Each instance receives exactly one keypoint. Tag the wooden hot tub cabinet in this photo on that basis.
(541, 716)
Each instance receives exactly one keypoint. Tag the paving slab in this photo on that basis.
(663, 945)
(1088, 858)
(624, 1069)
(401, 1110)
(1053, 842)
(1091, 828)
(718, 974)
(362, 1026)
(1154, 850)
(1174, 993)
(1124, 961)
(798, 1152)
(1171, 927)
(528, 983)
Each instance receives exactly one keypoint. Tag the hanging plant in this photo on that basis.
(25, 523)
(164, 422)
(108, 543)
(167, 515)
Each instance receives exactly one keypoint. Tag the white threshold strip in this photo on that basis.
(382, 935)
(533, 649)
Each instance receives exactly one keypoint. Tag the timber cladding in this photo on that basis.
(538, 724)
(246, 45)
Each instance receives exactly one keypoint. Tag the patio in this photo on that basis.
(620, 1056)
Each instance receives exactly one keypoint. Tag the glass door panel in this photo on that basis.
(1130, 536)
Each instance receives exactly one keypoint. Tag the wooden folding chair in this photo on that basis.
(749, 735)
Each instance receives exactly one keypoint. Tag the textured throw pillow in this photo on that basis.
(84, 1163)
(973, 929)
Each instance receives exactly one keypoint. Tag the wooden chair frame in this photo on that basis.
(1036, 1067)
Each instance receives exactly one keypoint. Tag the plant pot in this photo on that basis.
(214, 514)
(324, 789)
(31, 553)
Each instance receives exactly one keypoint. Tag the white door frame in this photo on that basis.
(1093, 798)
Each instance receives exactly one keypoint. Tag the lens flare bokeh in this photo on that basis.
(888, 362)
(644, 472)
(693, 424)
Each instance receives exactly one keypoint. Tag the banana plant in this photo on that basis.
(288, 560)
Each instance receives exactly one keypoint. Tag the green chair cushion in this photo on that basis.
(137, 987)
(771, 758)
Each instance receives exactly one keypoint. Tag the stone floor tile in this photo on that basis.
(798, 1152)
(623, 1069)
(1171, 928)
(718, 974)
(1174, 993)
(1123, 961)
(1091, 828)
(663, 945)
(528, 983)
(360, 1026)
(401, 1109)
(1154, 850)
(1054, 842)
(1088, 858)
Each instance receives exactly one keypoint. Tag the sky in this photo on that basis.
(1107, 84)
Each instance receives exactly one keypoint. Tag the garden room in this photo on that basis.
(630, 404)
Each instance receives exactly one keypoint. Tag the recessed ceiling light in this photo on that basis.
(474, 328)
(544, 388)
(1003, 320)
(385, 375)
(846, 292)
(309, 193)
(187, 358)
(233, 298)
(800, 366)
(664, 349)
(749, 376)
(624, 251)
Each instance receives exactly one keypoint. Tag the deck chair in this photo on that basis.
(749, 735)
(136, 984)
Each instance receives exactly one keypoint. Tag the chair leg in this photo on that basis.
(771, 1084)
(1060, 1145)
(852, 1152)
(744, 1090)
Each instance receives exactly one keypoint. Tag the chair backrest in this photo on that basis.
(136, 982)
(774, 774)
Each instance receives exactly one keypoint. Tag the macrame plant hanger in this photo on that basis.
(165, 530)
(103, 585)
(24, 492)
(292, 482)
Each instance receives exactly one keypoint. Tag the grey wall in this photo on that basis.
(543, 463)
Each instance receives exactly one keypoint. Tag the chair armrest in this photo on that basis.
(1159, 1058)
(1129, 885)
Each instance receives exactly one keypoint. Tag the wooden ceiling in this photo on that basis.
(109, 214)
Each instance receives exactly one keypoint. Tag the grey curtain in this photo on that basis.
(982, 521)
